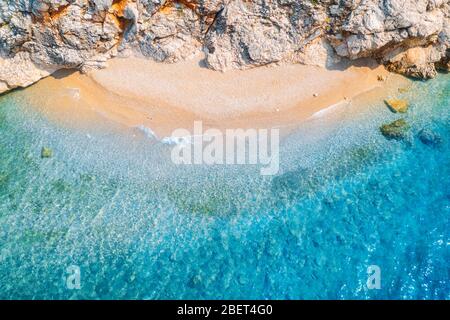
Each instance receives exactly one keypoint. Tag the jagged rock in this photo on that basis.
(409, 36)
(257, 33)
(444, 64)
(318, 53)
(397, 105)
(167, 37)
(20, 71)
(429, 137)
(395, 130)
(387, 30)
(415, 62)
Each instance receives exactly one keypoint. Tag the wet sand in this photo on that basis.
(137, 92)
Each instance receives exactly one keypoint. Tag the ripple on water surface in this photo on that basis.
(139, 227)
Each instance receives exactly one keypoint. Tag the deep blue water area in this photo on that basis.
(139, 227)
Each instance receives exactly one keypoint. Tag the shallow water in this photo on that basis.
(137, 226)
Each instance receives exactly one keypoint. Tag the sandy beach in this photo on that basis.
(136, 92)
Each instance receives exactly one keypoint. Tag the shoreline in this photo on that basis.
(135, 92)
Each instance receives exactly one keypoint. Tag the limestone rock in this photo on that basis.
(416, 62)
(395, 130)
(444, 64)
(20, 71)
(397, 105)
(255, 33)
(411, 37)
(318, 53)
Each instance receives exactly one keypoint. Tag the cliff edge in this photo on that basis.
(38, 37)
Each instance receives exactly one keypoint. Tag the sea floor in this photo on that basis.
(111, 203)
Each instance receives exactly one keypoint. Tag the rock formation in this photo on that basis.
(397, 105)
(429, 137)
(37, 37)
(395, 130)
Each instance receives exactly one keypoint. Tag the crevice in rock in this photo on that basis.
(52, 14)
(117, 14)
(213, 20)
(118, 6)
(57, 13)
(444, 64)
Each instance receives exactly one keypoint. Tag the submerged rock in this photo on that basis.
(397, 105)
(3, 179)
(395, 130)
(46, 152)
(429, 137)
(195, 281)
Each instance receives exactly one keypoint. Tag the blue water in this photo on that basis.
(139, 227)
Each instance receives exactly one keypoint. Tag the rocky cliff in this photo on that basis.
(38, 37)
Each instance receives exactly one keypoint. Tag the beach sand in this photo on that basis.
(138, 92)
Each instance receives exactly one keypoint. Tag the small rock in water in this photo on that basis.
(46, 152)
(397, 105)
(395, 130)
(195, 281)
(429, 137)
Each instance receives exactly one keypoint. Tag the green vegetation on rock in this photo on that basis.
(46, 152)
(395, 130)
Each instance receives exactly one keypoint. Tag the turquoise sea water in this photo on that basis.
(139, 227)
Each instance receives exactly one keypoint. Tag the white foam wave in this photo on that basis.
(325, 111)
(149, 133)
(170, 140)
